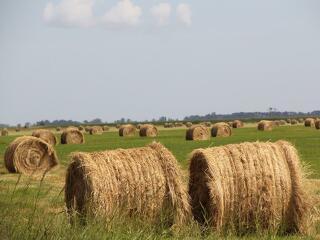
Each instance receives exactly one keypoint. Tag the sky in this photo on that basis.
(139, 59)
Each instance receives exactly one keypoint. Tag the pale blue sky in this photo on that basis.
(99, 59)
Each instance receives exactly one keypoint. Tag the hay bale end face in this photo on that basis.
(45, 135)
(265, 125)
(96, 130)
(237, 124)
(249, 187)
(4, 132)
(148, 130)
(127, 130)
(141, 182)
(198, 132)
(309, 122)
(72, 136)
(221, 130)
(30, 155)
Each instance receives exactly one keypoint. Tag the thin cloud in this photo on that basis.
(184, 14)
(161, 13)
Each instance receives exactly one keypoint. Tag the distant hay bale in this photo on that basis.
(221, 130)
(30, 155)
(148, 130)
(127, 130)
(87, 129)
(198, 132)
(283, 122)
(138, 126)
(141, 182)
(81, 128)
(317, 124)
(288, 120)
(4, 132)
(265, 125)
(301, 120)
(237, 124)
(45, 135)
(294, 121)
(168, 125)
(276, 123)
(96, 130)
(188, 124)
(309, 122)
(249, 187)
(106, 128)
(207, 124)
(178, 124)
(58, 129)
(72, 136)
(118, 126)
(18, 129)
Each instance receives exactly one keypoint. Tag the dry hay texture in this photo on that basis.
(96, 130)
(301, 120)
(72, 135)
(168, 125)
(139, 182)
(237, 124)
(249, 187)
(148, 130)
(87, 129)
(58, 129)
(4, 132)
(188, 124)
(127, 130)
(30, 155)
(81, 128)
(45, 135)
(198, 132)
(309, 122)
(207, 124)
(106, 128)
(138, 126)
(221, 130)
(294, 122)
(317, 124)
(265, 125)
(283, 122)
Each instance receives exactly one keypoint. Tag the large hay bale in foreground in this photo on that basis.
(4, 132)
(96, 130)
(249, 187)
(72, 136)
(198, 132)
(221, 130)
(148, 130)
(30, 155)
(139, 182)
(237, 124)
(309, 122)
(127, 130)
(317, 124)
(45, 135)
(265, 125)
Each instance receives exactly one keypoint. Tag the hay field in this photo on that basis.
(35, 208)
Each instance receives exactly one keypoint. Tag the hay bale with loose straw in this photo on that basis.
(96, 130)
(221, 130)
(148, 130)
(72, 136)
(198, 132)
(4, 132)
(141, 182)
(317, 124)
(45, 135)
(309, 122)
(30, 155)
(127, 130)
(237, 124)
(249, 187)
(265, 125)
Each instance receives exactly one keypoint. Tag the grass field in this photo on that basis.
(34, 208)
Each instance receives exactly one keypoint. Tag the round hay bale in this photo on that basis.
(265, 125)
(4, 132)
(168, 125)
(30, 155)
(58, 129)
(148, 130)
(207, 124)
(198, 132)
(127, 130)
(138, 126)
(221, 130)
(18, 129)
(45, 135)
(294, 121)
(301, 120)
(317, 124)
(283, 122)
(309, 122)
(72, 136)
(249, 187)
(81, 128)
(237, 124)
(118, 126)
(96, 130)
(276, 123)
(288, 120)
(106, 128)
(141, 182)
(188, 124)
(230, 124)
(87, 129)
(178, 124)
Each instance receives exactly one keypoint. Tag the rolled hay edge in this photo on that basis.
(72, 135)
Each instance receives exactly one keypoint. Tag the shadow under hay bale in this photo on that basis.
(30, 155)
(72, 135)
(237, 124)
(198, 132)
(221, 130)
(127, 130)
(265, 125)
(96, 130)
(45, 135)
(4, 132)
(309, 122)
(138, 182)
(148, 130)
(249, 187)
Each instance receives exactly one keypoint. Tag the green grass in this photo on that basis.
(34, 209)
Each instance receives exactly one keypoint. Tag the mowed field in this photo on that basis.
(34, 208)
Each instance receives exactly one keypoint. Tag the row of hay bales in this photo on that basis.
(202, 132)
(311, 122)
(145, 130)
